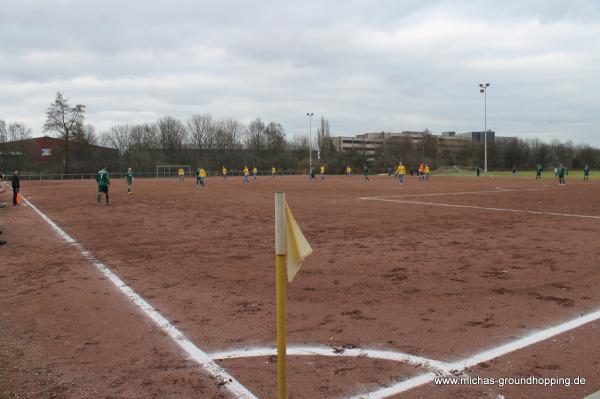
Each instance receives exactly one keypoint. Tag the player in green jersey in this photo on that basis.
(129, 180)
(103, 180)
(561, 175)
(586, 173)
(538, 171)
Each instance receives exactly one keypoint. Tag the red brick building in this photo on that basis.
(47, 154)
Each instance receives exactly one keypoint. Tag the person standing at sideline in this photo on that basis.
(16, 186)
(322, 170)
(103, 180)
(273, 171)
(586, 173)
(181, 174)
(366, 172)
(129, 180)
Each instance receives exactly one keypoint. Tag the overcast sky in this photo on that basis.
(364, 65)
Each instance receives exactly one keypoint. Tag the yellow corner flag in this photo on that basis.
(291, 248)
(296, 245)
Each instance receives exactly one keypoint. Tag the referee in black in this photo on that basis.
(16, 185)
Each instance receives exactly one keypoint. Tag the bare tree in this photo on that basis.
(201, 129)
(85, 134)
(17, 131)
(228, 134)
(326, 148)
(3, 132)
(172, 135)
(120, 138)
(255, 135)
(275, 137)
(65, 120)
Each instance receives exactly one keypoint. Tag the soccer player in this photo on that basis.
(201, 177)
(366, 172)
(401, 171)
(421, 172)
(254, 172)
(224, 173)
(348, 170)
(586, 173)
(538, 171)
(16, 186)
(312, 174)
(103, 180)
(427, 171)
(273, 172)
(181, 174)
(561, 175)
(129, 180)
(246, 174)
(478, 171)
(322, 170)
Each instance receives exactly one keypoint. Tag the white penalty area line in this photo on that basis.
(484, 208)
(498, 190)
(435, 365)
(481, 357)
(195, 353)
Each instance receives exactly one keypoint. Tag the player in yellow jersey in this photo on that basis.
(322, 172)
(254, 172)
(273, 172)
(348, 171)
(224, 171)
(201, 177)
(246, 173)
(401, 171)
(181, 174)
(427, 171)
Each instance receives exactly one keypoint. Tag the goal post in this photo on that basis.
(171, 170)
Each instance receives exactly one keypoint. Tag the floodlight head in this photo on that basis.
(487, 85)
(481, 90)
(480, 84)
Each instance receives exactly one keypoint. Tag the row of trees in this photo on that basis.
(212, 143)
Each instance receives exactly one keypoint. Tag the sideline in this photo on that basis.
(571, 215)
(195, 353)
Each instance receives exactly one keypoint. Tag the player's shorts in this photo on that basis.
(103, 189)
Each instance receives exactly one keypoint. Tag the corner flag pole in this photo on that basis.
(280, 275)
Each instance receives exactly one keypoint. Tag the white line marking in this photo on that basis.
(188, 346)
(400, 387)
(572, 215)
(497, 191)
(440, 367)
(484, 356)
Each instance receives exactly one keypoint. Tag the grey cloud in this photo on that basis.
(367, 66)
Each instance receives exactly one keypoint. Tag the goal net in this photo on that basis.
(455, 171)
(171, 170)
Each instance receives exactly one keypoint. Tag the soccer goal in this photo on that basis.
(455, 171)
(171, 170)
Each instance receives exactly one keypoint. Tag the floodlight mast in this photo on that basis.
(310, 115)
(483, 89)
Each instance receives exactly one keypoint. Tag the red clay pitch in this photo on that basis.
(432, 281)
